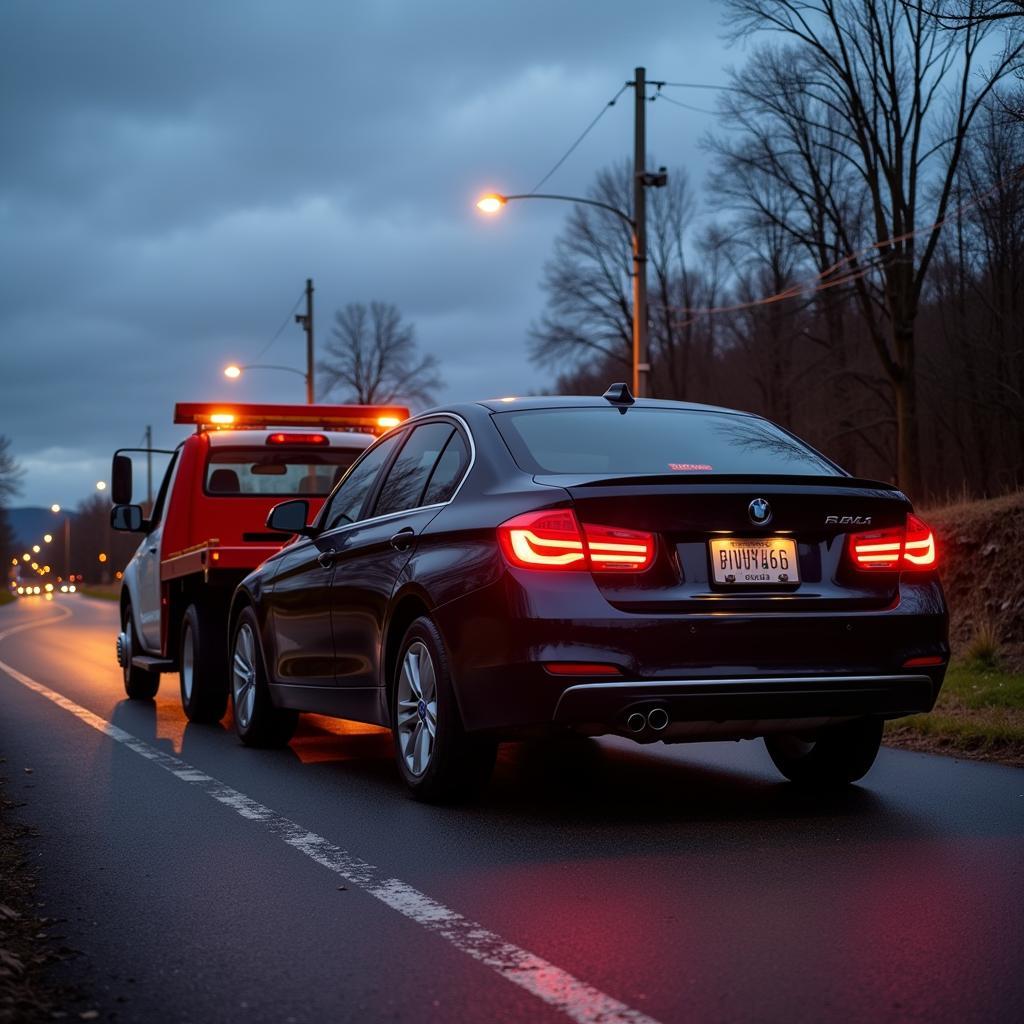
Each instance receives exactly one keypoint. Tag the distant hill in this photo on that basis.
(29, 524)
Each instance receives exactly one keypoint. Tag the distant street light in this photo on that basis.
(101, 485)
(102, 556)
(35, 549)
(234, 371)
(47, 537)
(494, 202)
(55, 508)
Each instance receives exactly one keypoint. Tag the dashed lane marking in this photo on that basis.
(555, 987)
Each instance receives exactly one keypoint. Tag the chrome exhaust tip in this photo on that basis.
(636, 722)
(657, 719)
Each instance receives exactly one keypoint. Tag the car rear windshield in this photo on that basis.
(281, 473)
(654, 441)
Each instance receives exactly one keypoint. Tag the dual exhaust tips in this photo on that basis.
(656, 720)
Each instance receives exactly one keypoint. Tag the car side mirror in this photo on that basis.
(121, 481)
(290, 517)
(128, 519)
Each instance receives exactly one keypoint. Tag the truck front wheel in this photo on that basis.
(202, 667)
(139, 683)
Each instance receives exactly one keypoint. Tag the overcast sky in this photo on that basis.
(173, 172)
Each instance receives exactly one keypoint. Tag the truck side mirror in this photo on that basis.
(290, 517)
(121, 481)
(127, 518)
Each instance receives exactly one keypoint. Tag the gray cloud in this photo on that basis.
(172, 174)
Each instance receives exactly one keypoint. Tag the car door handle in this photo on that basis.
(326, 558)
(402, 540)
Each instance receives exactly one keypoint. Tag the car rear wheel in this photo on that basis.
(832, 757)
(139, 684)
(202, 664)
(257, 722)
(438, 760)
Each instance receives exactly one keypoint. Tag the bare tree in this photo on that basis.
(894, 96)
(588, 325)
(10, 472)
(372, 358)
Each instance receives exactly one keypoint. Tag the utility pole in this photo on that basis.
(149, 470)
(640, 364)
(306, 320)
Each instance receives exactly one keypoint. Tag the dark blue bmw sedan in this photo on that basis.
(657, 570)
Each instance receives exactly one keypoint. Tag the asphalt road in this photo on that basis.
(596, 881)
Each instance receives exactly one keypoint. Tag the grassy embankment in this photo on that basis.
(980, 712)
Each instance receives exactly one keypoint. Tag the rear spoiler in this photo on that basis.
(362, 418)
(714, 479)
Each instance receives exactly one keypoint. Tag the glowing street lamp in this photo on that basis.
(55, 508)
(235, 370)
(35, 549)
(493, 202)
(48, 537)
(101, 485)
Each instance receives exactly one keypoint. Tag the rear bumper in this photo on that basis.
(724, 700)
(755, 671)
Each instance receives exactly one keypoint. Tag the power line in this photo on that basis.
(685, 106)
(284, 323)
(583, 135)
(699, 85)
(823, 281)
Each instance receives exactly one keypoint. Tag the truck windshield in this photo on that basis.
(296, 472)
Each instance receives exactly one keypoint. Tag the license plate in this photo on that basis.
(749, 560)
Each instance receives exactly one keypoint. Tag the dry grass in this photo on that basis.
(979, 714)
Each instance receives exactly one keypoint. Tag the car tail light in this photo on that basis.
(554, 540)
(614, 550)
(895, 548)
(919, 549)
(543, 540)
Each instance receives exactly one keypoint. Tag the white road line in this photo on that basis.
(559, 989)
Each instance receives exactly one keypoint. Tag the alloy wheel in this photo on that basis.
(417, 708)
(187, 662)
(243, 675)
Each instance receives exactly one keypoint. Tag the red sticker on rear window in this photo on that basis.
(689, 467)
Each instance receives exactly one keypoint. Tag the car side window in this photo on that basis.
(404, 485)
(347, 501)
(448, 471)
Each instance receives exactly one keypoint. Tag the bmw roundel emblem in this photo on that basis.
(760, 512)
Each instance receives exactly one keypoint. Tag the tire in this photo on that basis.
(139, 683)
(202, 666)
(446, 764)
(257, 722)
(834, 757)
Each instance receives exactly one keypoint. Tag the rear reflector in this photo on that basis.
(554, 540)
(580, 668)
(925, 662)
(895, 548)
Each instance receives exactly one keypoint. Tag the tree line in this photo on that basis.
(856, 270)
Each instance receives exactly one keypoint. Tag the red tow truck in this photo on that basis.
(207, 530)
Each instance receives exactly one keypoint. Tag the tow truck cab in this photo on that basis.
(207, 530)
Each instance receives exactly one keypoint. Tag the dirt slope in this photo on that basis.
(981, 557)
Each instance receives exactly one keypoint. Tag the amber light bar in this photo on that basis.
(375, 418)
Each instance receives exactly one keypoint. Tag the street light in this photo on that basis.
(234, 371)
(494, 202)
(101, 485)
(55, 508)
(47, 537)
